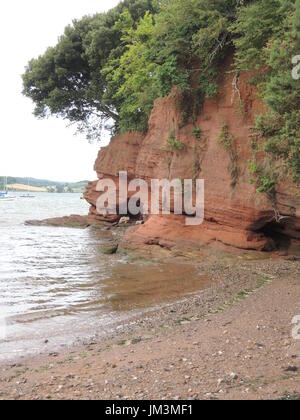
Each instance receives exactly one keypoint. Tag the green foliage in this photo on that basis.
(67, 81)
(225, 138)
(189, 103)
(296, 19)
(129, 77)
(196, 168)
(169, 163)
(265, 179)
(169, 75)
(197, 133)
(228, 142)
(107, 69)
(254, 168)
(268, 36)
(191, 40)
(254, 26)
(267, 184)
(175, 144)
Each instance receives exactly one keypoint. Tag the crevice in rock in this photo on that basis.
(276, 232)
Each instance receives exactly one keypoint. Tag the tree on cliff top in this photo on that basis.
(67, 82)
(109, 68)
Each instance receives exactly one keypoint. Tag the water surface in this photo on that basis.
(56, 286)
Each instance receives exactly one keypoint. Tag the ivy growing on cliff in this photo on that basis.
(267, 37)
(228, 142)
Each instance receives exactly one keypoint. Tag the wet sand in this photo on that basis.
(232, 340)
(130, 290)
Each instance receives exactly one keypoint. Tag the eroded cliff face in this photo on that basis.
(235, 214)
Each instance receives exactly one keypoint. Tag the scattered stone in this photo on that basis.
(124, 220)
(136, 340)
(109, 250)
(291, 368)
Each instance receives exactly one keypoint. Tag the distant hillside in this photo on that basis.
(42, 185)
(23, 187)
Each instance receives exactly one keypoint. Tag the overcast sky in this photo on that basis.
(30, 147)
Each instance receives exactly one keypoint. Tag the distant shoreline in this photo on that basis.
(40, 191)
(17, 184)
(25, 188)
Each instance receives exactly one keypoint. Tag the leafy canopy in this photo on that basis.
(109, 68)
(267, 36)
(67, 80)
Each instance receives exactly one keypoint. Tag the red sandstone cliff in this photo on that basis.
(234, 214)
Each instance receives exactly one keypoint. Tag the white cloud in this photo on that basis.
(43, 149)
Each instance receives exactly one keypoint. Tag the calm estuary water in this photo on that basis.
(57, 287)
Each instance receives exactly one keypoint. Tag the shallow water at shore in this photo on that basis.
(56, 286)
